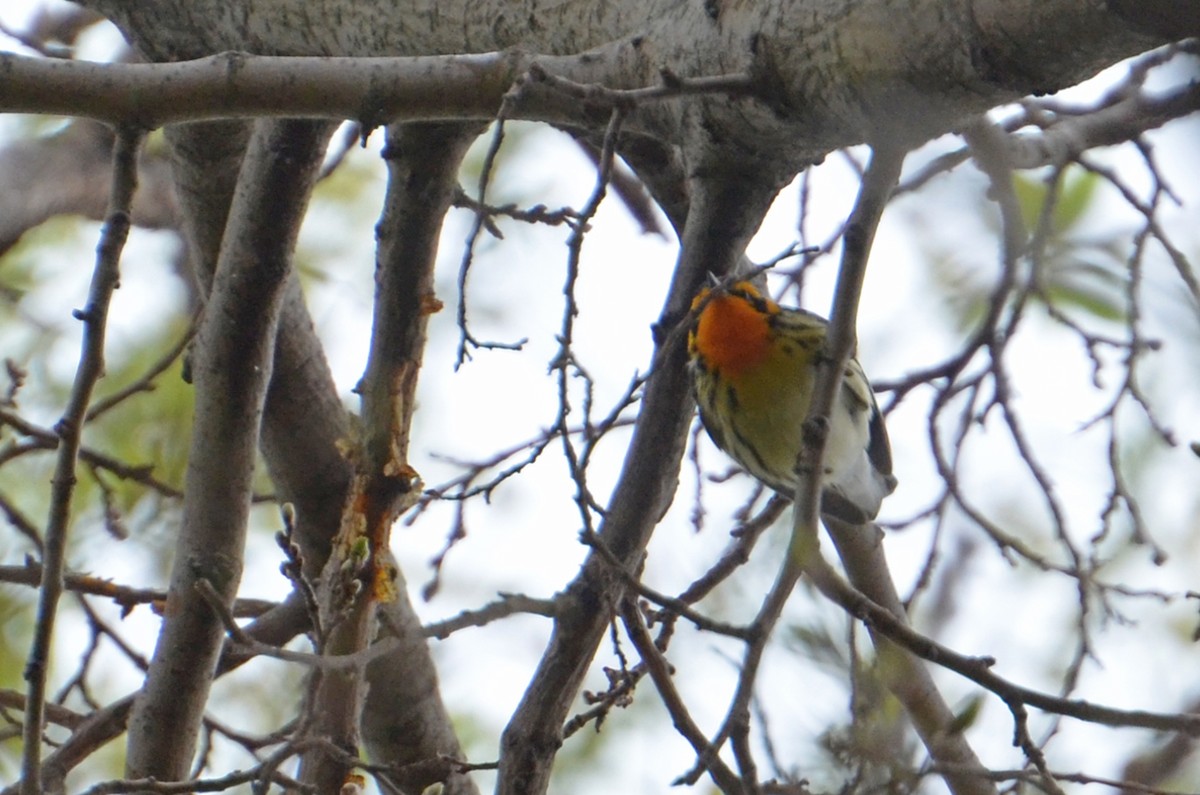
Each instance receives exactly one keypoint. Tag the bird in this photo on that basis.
(753, 367)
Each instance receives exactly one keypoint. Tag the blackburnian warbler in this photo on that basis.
(753, 367)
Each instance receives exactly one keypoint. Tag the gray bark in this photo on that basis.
(826, 74)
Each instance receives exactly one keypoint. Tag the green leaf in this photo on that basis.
(1075, 200)
(1076, 192)
(967, 714)
(1093, 287)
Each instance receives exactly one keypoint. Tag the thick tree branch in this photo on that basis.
(405, 721)
(806, 78)
(903, 673)
(232, 85)
(303, 420)
(70, 172)
(234, 349)
(725, 212)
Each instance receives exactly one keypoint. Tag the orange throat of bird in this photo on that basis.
(731, 335)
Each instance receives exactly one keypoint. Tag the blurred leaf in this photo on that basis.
(1077, 189)
(1031, 195)
(1092, 287)
(966, 293)
(968, 713)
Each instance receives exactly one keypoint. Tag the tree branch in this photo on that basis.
(123, 595)
(660, 672)
(70, 428)
(727, 205)
(372, 91)
(423, 163)
(910, 682)
(234, 349)
(977, 669)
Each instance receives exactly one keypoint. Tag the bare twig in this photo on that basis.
(249, 647)
(466, 339)
(538, 214)
(23, 524)
(123, 595)
(978, 669)
(70, 429)
(565, 360)
(677, 606)
(508, 604)
(145, 383)
(661, 672)
(46, 439)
